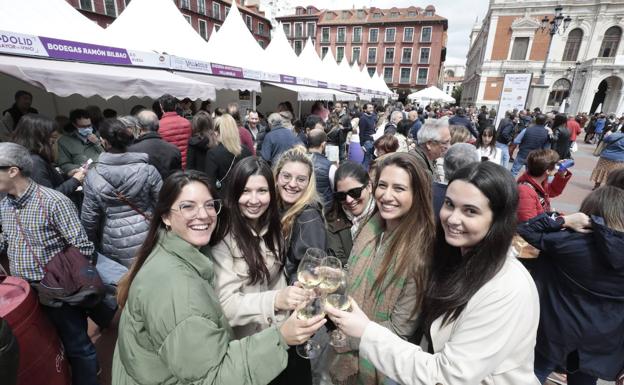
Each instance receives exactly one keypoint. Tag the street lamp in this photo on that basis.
(558, 25)
(573, 71)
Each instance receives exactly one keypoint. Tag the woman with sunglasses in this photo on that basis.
(388, 262)
(353, 203)
(481, 306)
(172, 329)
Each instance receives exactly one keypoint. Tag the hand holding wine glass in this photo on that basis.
(297, 331)
(352, 323)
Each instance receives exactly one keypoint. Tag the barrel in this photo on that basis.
(42, 358)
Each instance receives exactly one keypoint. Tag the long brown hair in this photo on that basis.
(171, 189)
(606, 202)
(412, 241)
(34, 132)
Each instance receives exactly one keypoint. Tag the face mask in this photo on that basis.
(85, 131)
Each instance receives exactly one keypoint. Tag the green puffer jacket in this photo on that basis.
(173, 330)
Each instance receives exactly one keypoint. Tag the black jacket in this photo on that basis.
(45, 174)
(308, 231)
(561, 141)
(580, 280)
(163, 155)
(220, 162)
(196, 153)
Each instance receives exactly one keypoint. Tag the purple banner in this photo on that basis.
(288, 79)
(223, 70)
(71, 50)
(322, 84)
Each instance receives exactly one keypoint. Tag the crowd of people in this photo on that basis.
(225, 229)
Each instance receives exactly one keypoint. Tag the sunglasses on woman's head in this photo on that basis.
(354, 193)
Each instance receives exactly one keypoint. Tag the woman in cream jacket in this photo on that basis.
(481, 306)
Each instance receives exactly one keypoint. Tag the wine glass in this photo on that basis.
(340, 300)
(313, 308)
(308, 269)
(331, 275)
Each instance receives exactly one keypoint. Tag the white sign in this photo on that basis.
(514, 94)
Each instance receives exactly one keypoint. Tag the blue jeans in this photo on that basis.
(517, 165)
(543, 367)
(71, 324)
(505, 153)
(368, 153)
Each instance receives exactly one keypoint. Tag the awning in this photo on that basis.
(311, 93)
(65, 78)
(222, 82)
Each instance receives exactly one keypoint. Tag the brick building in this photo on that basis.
(201, 14)
(406, 45)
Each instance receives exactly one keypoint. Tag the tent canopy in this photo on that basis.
(433, 94)
(68, 78)
(311, 93)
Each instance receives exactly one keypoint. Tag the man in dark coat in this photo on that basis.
(11, 116)
(461, 119)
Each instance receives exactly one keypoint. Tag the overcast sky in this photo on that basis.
(461, 15)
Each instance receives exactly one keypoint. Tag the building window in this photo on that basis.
(371, 71)
(406, 74)
(110, 7)
(360, 14)
(373, 35)
(203, 29)
(520, 48)
(216, 10)
(560, 91)
(324, 51)
(286, 29)
(388, 74)
(226, 11)
(424, 55)
(408, 34)
(428, 13)
(311, 29)
(341, 36)
(261, 28)
(261, 42)
(425, 35)
(298, 29)
(201, 7)
(390, 35)
(249, 22)
(339, 54)
(87, 5)
(357, 35)
(217, 27)
(394, 15)
(188, 18)
(346, 14)
(573, 45)
(355, 54)
(406, 55)
(185, 4)
(377, 15)
(298, 46)
(372, 55)
(423, 73)
(389, 56)
(411, 14)
(610, 42)
(325, 35)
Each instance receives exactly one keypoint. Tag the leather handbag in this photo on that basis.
(69, 277)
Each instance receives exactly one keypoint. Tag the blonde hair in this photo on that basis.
(226, 126)
(310, 196)
(459, 134)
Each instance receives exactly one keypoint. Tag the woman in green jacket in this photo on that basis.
(172, 328)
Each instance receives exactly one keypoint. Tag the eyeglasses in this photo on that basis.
(354, 193)
(287, 177)
(191, 210)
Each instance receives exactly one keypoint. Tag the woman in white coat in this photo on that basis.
(481, 306)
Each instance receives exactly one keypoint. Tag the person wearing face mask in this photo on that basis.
(388, 261)
(480, 305)
(249, 261)
(172, 318)
(534, 187)
(353, 203)
(79, 144)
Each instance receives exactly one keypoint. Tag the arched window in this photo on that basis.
(560, 91)
(573, 45)
(450, 73)
(610, 42)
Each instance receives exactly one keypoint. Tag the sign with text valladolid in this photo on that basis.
(514, 94)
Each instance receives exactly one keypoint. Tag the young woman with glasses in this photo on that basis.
(353, 203)
(172, 319)
(388, 263)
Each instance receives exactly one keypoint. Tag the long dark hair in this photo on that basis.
(455, 278)
(33, 132)
(560, 120)
(490, 130)
(240, 227)
(348, 169)
(171, 189)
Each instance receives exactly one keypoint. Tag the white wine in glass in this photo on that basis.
(339, 301)
(331, 275)
(313, 308)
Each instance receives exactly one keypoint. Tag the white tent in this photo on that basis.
(283, 59)
(431, 94)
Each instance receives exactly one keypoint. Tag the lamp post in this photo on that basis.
(573, 71)
(558, 25)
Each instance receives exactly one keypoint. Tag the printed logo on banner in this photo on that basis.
(223, 70)
(149, 59)
(70, 50)
(322, 84)
(19, 44)
(288, 79)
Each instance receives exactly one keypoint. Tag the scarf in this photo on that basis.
(365, 261)
(358, 220)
